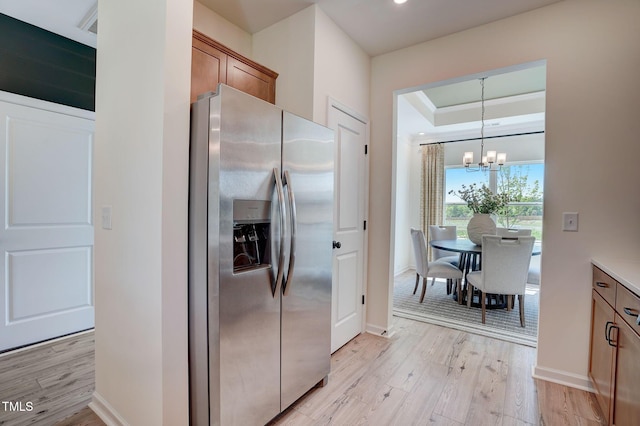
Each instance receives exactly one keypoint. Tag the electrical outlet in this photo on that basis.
(570, 221)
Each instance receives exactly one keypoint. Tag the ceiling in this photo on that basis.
(514, 83)
(378, 26)
(514, 102)
(69, 18)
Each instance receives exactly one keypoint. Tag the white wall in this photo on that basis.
(405, 188)
(342, 70)
(215, 26)
(415, 174)
(592, 60)
(405, 203)
(141, 164)
(287, 47)
(315, 60)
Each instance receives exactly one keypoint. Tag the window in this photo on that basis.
(523, 181)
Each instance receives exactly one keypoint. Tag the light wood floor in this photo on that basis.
(56, 377)
(424, 374)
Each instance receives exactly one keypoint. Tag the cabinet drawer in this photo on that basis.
(628, 307)
(604, 285)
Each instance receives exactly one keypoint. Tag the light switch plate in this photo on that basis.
(106, 217)
(570, 221)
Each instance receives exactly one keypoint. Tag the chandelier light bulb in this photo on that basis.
(502, 158)
(468, 158)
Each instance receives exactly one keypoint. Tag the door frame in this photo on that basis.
(394, 153)
(333, 104)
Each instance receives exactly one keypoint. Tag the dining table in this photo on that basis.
(471, 260)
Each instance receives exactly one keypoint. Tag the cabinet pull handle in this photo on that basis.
(609, 335)
(606, 329)
(630, 312)
(601, 284)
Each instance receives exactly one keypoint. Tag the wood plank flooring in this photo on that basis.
(56, 377)
(424, 374)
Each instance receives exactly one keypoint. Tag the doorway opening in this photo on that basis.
(449, 113)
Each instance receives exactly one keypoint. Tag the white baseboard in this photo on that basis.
(105, 411)
(563, 378)
(403, 270)
(379, 331)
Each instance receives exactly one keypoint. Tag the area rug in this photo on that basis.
(441, 309)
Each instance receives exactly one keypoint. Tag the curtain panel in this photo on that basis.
(432, 188)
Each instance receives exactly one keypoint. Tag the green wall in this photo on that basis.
(43, 65)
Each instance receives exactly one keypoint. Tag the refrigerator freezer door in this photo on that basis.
(204, 362)
(306, 303)
(247, 145)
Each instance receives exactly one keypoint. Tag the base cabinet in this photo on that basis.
(602, 354)
(614, 367)
(626, 400)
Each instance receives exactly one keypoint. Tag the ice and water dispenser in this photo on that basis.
(251, 235)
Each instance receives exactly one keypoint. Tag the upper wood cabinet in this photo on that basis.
(213, 63)
(208, 67)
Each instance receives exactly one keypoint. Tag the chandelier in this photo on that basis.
(492, 161)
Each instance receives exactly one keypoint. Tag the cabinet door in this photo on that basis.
(208, 68)
(602, 355)
(250, 80)
(626, 403)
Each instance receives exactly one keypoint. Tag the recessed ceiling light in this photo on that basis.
(399, 1)
(421, 133)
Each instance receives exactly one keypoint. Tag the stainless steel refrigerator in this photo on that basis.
(260, 261)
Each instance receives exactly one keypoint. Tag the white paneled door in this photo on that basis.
(46, 237)
(348, 295)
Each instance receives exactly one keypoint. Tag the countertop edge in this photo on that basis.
(625, 271)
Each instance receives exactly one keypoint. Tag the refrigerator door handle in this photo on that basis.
(294, 230)
(280, 275)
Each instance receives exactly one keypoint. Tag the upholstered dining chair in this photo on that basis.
(441, 232)
(533, 277)
(513, 233)
(435, 269)
(505, 265)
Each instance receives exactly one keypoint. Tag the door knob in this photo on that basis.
(337, 244)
